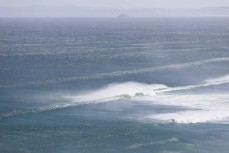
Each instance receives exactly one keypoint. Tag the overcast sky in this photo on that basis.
(122, 3)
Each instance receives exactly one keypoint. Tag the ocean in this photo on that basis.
(103, 85)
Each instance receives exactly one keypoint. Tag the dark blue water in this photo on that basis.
(114, 85)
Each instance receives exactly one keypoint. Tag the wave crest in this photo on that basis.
(120, 90)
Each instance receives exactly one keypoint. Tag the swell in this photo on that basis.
(41, 109)
(142, 145)
(207, 83)
(55, 107)
(36, 110)
(127, 90)
(119, 73)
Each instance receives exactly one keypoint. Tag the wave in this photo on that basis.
(206, 83)
(37, 110)
(201, 108)
(112, 92)
(209, 107)
(120, 73)
(136, 89)
(119, 90)
(107, 94)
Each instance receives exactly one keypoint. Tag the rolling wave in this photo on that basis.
(120, 73)
(112, 91)
(36, 110)
(203, 108)
(134, 89)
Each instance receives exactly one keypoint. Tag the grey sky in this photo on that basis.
(122, 3)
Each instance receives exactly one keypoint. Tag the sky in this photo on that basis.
(120, 3)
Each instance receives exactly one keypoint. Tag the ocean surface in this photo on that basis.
(150, 85)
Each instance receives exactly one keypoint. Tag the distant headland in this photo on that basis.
(122, 16)
(74, 11)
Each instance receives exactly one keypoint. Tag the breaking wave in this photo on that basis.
(200, 107)
(120, 90)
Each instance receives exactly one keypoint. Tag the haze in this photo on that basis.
(120, 3)
(112, 8)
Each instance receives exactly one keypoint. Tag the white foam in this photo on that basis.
(206, 83)
(198, 108)
(119, 90)
(219, 80)
(202, 108)
(134, 89)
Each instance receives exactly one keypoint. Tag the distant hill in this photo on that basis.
(73, 11)
(122, 16)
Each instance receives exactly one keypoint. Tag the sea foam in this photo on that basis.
(203, 108)
(210, 82)
(120, 90)
(199, 108)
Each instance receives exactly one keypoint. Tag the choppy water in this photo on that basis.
(114, 86)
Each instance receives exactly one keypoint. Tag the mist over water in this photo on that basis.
(114, 85)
